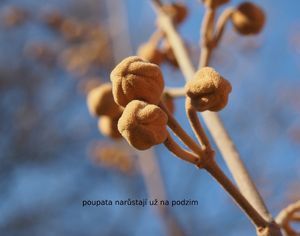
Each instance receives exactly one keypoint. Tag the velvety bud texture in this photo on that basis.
(143, 125)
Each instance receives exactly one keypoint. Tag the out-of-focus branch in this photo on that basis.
(146, 159)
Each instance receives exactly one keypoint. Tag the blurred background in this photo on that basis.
(52, 155)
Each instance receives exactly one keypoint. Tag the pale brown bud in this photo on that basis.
(109, 127)
(208, 90)
(101, 102)
(149, 52)
(136, 79)
(143, 125)
(248, 19)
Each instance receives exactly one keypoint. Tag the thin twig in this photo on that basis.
(180, 132)
(179, 152)
(206, 33)
(196, 125)
(220, 27)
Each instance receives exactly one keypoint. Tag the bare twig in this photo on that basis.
(180, 132)
(196, 125)
(179, 152)
(206, 33)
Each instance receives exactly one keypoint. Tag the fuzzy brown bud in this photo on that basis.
(143, 125)
(136, 79)
(208, 90)
(109, 127)
(214, 3)
(177, 11)
(100, 102)
(149, 52)
(248, 19)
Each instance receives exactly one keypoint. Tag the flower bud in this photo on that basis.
(208, 90)
(248, 19)
(177, 11)
(109, 127)
(100, 102)
(149, 52)
(214, 3)
(136, 79)
(143, 125)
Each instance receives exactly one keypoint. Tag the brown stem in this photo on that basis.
(234, 162)
(211, 166)
(180, 132)
(214, 170)
(196, 125)
(173, 147)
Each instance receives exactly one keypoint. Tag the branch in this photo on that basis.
(216, 127)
